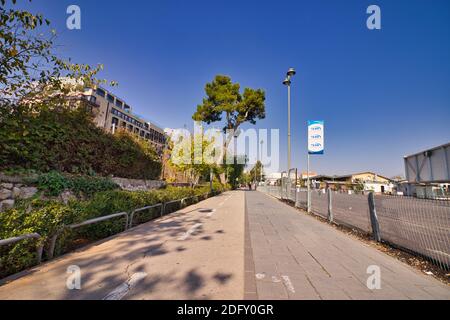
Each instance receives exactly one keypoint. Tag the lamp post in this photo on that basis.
(260, 159)
(287, 82)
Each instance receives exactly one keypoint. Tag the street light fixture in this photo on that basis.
(291, 72)
(287, 82)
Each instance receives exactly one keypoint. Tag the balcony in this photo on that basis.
(90, 101)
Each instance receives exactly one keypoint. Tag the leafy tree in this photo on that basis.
(67, 140)
(184, 158)
(28, 63)
(358, 186)
(224, 99)
(235, 172)
(255, 172)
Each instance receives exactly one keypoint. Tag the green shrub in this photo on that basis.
(46, 217)
(54, 183)
(67, 140)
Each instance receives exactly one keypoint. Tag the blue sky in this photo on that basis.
(383, 94)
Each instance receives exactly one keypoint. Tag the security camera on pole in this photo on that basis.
(315, 147)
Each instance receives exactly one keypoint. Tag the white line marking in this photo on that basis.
(288, 284)
(223, 202)
(122, 290)
(189, 232)
(260, 276)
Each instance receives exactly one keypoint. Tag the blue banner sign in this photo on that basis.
(316, 137)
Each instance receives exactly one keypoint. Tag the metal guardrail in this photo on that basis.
(54, 238)
(128, 219)
(134, 212)
(128, 224)
(39, 248)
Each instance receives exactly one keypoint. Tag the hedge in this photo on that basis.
(67, 140)
(47, 216)
(54, 183)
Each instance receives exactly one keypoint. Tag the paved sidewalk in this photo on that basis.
(298, 257)
(192, 254)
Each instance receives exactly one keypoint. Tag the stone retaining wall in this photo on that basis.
(10, 192)
(13, 188)
(138, 185)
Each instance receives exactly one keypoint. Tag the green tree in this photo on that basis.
(28, 62)
(235, 172)
(184, 158)
(256, 172)
(224, 99)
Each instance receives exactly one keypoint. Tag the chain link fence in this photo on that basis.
(421, 226)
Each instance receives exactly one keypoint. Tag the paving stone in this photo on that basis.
(5, 194)
(28, 192)
(7, 204)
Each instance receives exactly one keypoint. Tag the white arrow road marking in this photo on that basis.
(288, 283)
(275, 279)
(122, 290)
(189, 232)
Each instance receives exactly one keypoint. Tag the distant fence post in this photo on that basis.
(374, 218)
(330, 205)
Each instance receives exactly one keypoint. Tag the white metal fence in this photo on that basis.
(418, 225)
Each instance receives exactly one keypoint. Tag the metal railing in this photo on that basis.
(54, 238)
(129, 216)
(39, 248)
(412, 224)
(137, 211)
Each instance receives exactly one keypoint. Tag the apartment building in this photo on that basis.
(111, 113)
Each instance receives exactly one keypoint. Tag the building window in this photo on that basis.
(119, 104)
(100, 92)
(110, 98)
